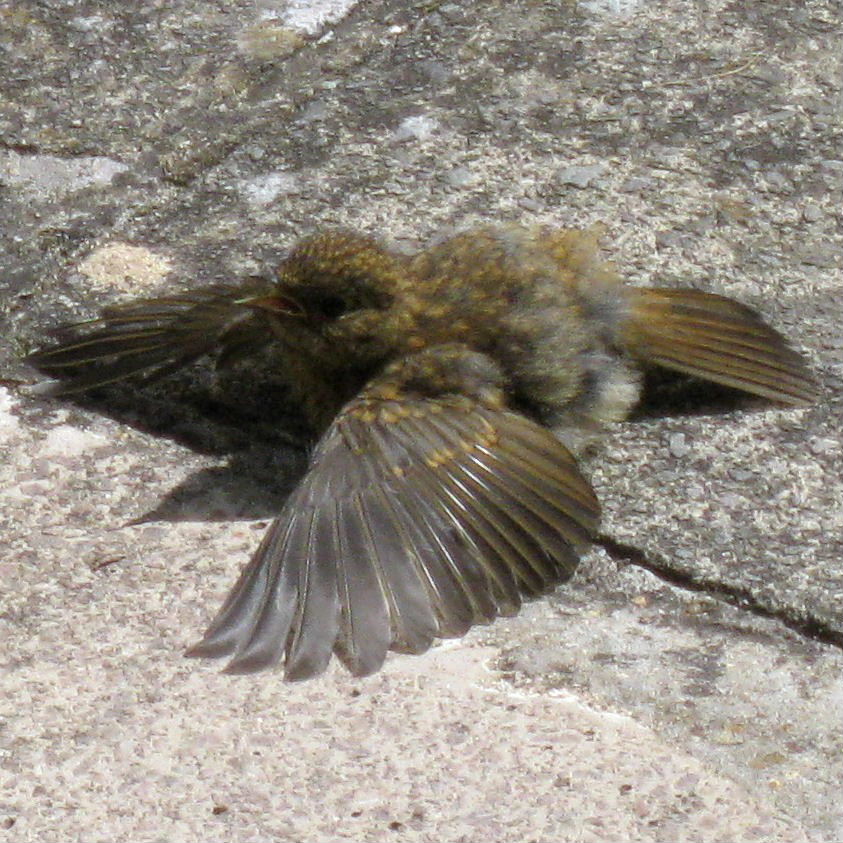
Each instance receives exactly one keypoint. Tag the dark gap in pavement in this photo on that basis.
(737, 596)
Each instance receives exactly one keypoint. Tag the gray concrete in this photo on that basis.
(686, 687)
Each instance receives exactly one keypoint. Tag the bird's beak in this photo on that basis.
(276, 303)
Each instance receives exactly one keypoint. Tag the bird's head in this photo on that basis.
(338, 297)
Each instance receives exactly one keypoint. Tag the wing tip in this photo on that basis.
(718, 339)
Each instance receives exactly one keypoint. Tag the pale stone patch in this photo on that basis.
(309, 16)
(125, 268)
(52, 175)
(8, 420)
(68, 440)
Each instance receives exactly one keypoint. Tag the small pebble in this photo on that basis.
(580, 176)
(823, 446)
(678, 445)
(812, 213)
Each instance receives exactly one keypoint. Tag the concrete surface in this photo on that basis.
(686, 685)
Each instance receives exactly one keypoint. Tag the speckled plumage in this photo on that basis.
(449, 390)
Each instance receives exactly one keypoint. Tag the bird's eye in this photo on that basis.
(330, 307)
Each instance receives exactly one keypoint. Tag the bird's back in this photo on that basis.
(540, 302)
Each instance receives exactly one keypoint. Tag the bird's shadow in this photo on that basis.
(244, 419)
(250, 423)
(251, 486)
(670, 394)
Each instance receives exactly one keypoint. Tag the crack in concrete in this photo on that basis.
(20, 147)
(735, 595)
(27, 149)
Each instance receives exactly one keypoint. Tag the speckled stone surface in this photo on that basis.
(686, 685)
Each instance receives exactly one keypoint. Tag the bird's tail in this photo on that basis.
(714, 338)
(151, 338)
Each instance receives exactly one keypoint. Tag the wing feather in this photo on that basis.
(419, 517)
(154, 337)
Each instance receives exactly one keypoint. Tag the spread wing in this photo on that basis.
(718, 339)
(150, 338)
(419, 517)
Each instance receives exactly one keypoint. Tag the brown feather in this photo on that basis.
(412, 522)
(717, 339)
(153, 338)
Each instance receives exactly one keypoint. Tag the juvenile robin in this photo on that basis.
(449, 392)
